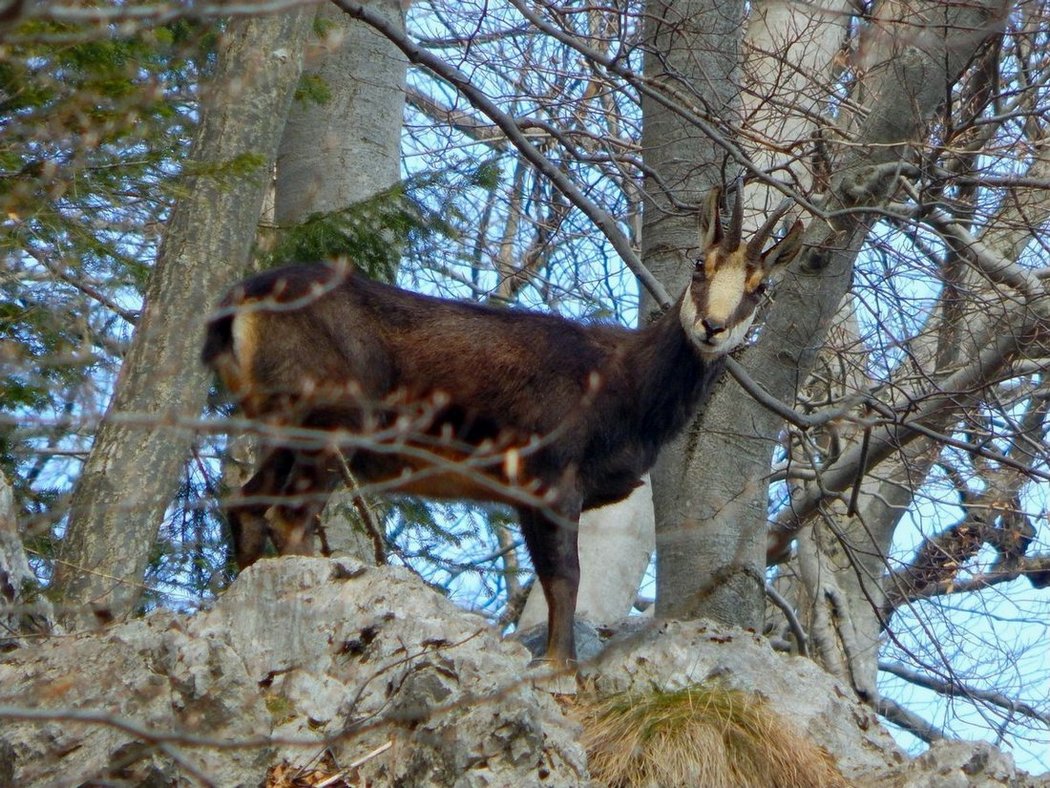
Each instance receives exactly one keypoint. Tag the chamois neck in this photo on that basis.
(672, 378)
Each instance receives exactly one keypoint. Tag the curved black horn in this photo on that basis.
(709, 221)
(736, 221)
(754, 247)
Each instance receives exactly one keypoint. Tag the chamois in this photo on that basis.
(447, 399)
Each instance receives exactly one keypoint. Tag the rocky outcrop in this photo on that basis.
(370, 677)
(300, 660)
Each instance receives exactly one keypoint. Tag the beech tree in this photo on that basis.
(868, 484)
(340, 149)
(129, 476)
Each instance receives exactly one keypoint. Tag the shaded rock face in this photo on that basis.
(301, 657)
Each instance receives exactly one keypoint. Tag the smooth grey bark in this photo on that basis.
(340, 152)
(693, 47)
(132, 471)
(346, 149)
(712, 502)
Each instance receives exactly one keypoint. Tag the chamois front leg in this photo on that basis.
(551, 538)
(310, 482)
(249, 529)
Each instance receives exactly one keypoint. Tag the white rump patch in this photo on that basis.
(243, 332)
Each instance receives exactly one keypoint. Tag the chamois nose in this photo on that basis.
(713, 327)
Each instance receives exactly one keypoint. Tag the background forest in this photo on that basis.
(869, 484)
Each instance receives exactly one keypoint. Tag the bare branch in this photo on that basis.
(440, 68)
(909, 721)
(954, 393)
(992, 265)
(801, 639)
(765, 399)
(953, 688)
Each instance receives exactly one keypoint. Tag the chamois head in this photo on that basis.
(729, 277)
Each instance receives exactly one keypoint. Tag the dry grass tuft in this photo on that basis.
(700, 736)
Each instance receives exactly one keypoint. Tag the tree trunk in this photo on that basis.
(711, 488)
(339, 152)
(712, 506)
(130, 476)
(24, 610)
(693, 47)
(346, 148)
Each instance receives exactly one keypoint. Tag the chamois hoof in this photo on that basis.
(588, 640)
(557, 677)
(551, 665)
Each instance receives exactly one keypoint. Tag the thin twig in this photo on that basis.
(459, 80)
(364, 511)
(909, 721)
(951, 687)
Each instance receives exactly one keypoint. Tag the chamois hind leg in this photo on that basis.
(249, 528)
(551, 538)
(308, 485)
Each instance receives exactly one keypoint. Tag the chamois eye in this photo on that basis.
(761, 289)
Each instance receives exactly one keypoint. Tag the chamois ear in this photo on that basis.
(780, 254)
(710, 221)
